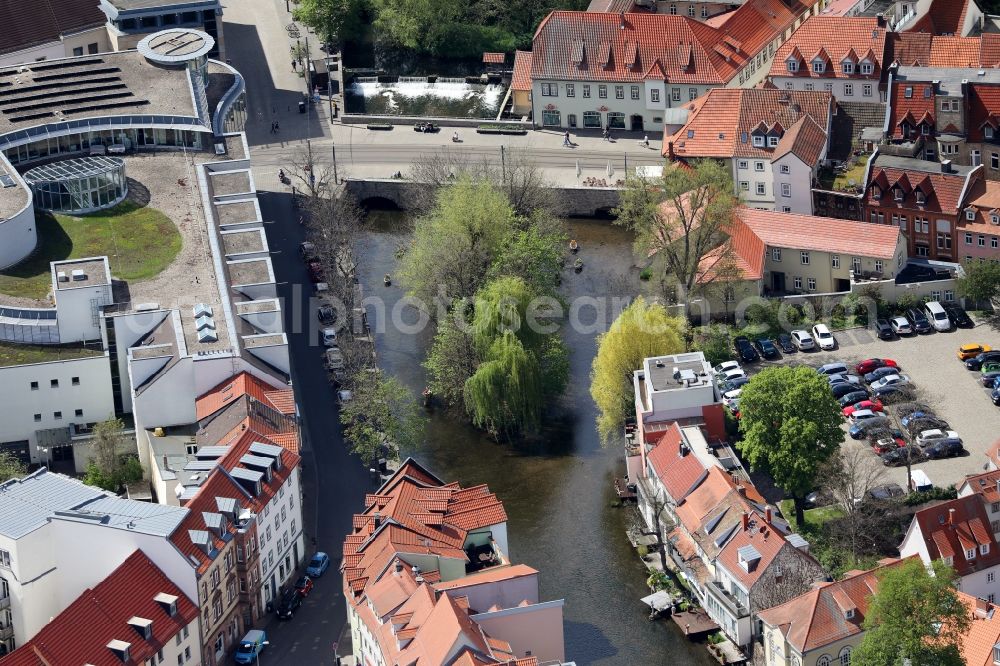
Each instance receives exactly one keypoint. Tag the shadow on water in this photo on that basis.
(563, 517)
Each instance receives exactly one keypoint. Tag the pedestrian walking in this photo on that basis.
(276, 127)
(295, 65)
(645, 140)
(607, 134)
(566, 141)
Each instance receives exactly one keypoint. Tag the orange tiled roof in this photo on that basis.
(942, 191)
(705, 497)
(806, 139)
(521, 78)
(984, 111)
(922, 49)
(218, 485)
(764, 538)
(678, 473)
(840, 37)
(943, 17)
(950, 528)
(911, 104)
(244, 384)
(807, 232)
(985, 485)
(984, 631)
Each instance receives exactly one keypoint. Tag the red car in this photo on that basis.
(315, 271)
(304, 586)
(886, 444)
(873, 405)
(871, 364)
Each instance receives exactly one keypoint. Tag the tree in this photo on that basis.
(915, 617)
(331, 19)
(380, 418)
(641, 330)
(453, 357)
(534, 254)
(680, 220)
(110, 469)
(314, 176)
(11, 466)
(981, 284)
(713, 342)
(456, 242)
(791, 427)
(848, 476)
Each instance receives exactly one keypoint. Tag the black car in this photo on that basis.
(767, 348)
(958, 316)
(853, 397)
(946, 449)
(290, 603)
(844, 388)
(918, 320)
(883, 330)
(879, 373)
(886, 491)
(786, 344)
(898, 457)
(745, 350)
(977, 362)
(326, 314)
(733, 384)
(995, 397)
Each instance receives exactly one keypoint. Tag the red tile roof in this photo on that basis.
(821, 234)
(943, 17)
(806, 139)
(678, 473)
(521, 79)
(911, 104)
(984, 111)
(942, 191)
(747, 255)
(80, 634)
(493, 58)
(950, 528)
(817, 618)
(922, 49)
(719, 121)
(841, 37)
(277, 396)
(218, 485)
(989, 50)
(766, 540)
(984, 485)
(984, 631)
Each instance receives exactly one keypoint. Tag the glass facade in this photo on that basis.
(79, 185)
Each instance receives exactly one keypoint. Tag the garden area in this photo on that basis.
(849, 177)
(139, 242)
(20, 354)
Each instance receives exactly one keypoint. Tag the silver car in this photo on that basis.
(803, 340)
(901, 326)
(890, 380)
(935, 435)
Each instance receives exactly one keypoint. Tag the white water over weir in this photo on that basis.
(366, 79)
(412, 79)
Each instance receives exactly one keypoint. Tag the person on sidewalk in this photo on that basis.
(645, 140)
(607, 134)
(566, 141)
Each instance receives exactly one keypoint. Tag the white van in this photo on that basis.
(937, 315)
(921, 482)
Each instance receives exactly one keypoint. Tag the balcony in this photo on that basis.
(482, 557)
(731, 603)
(6, 633)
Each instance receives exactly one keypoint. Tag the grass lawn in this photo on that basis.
(139, 242)
(18, 354)
(815, 517)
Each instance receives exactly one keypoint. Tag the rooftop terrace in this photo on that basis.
(20, 354)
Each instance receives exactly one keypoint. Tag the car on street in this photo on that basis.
(307, 250)
(803, 340)
(844, 389)
(972, 350)
(995, 396)
(853, 397)
(319, 563)
(976, 362)
(329, 336)
(861, 428)
(884, 330)
(872, 405)
(249, 649)
(959, 317)
(935, 435)
(786, 344)
(824, 338)
(989, 378)
(290, 602)
(872, 364)
(900, 326)
(945, 449)
(890, 380)
(733, 384)
(918, 320)
(767, 348)
(334, 359)
(315, 269)
(835, 368)
(886, 491)
(899, 456)
(304, 585)
(745, 350)
(725, 367)
(894, 393)
(879, 373)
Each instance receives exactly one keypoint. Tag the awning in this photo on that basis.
(658, 601)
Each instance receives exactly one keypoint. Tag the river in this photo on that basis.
(558, 493)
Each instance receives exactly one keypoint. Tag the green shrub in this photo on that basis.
(646, 274)
(643, 550)
(917, 498)
(716, 637)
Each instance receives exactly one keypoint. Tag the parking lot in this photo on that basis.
(943, 383)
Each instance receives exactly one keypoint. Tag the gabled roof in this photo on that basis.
(943, 17)
(678, 473)
(838, 35)
(80, 634)
(984, 631)
(279, 397)
(922, 49)
(817, 618)
(756, 545)
(747, 255)
(984, 108)
(820, 234)
(910, 108)
(806, 139)
(47, 21)
(984, 485)
(953, 527)
(188, 538)
(521, 78)
(941, 191)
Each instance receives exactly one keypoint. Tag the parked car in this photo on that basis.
(883, 441)
(843, 389)
(872, 405)
(879, 373)
(767, 348)
(304, 585)
(861, 428)
(900, 326)
(959, 317)
(824, 338)
(334, 359)
(326, 314)
(900, 455)
(989, 378)
(948, 448)
(745, 350)
(844, 379)
(935, 435)
(995, 396)
(972, 350)
(872, 364)
(249, 649)
(894, 393)
(730, 375)
(926, 423)
(884, 330)
(937, 316)
(836, 368)
(890, 380)
(329, 336)
(319, 563)
(731, 398)
(990, 366)
(726, 366)
(976, 362)
(786, 344)
(886, 491)
(290, 603)
(853, 397)
(307, 250)
(315, 270)
(859, 415)
(803, 340)
(733, 384)
(905, 408)
(918, 320)
(916, 415)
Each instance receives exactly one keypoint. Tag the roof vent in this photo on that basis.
(202, 310)
(142, 626)
(659, 363)
(207, 335)
(79, 275)
(62, 277)
(121, 650)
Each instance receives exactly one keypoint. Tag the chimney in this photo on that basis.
(683, 449)
(399, 567)
(746, 521)
(982, 607)
(767, 515)
(621, 20)
(951, 517)
(670, 149)
(945, 166)
(880, 19)
(741, 489)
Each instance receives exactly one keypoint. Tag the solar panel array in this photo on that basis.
(63, 89)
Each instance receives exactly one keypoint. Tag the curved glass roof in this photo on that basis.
(79, 167)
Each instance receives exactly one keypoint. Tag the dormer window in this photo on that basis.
(758, 140)
(970, 215)
(793, 65)
(849, 614)
(867, 67)
(772, 141)
(925, 129)
(995, 219)
(848, 68)
(876, 192)
(988, 132)
(984, 549)
(920, 197)
(970, 554)
(897, 193)
(142, 626)
(908, 92)
(819, 66)
(949, 560)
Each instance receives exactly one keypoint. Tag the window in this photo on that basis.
(187, 650)
(761, 189)
(704, 11)
(797, 282)
(776, 254)
(675, 94)
(908, 92)
(78, 413)
(758, 141)
(784, 168)
(876, 192)
(943, 240)
(923, 251)
(902, 222)
(570, 90)
(92, 48)
(745, 185)
(993, 242)
(848, 89)
(53, 383)
(586, 91)
(75, 381)
(878, 265)
(772, 141)
(690, 10)
(159, 656)
(635, 92)
(811, 283)
(619, 92)
(5, 559)
(673, 10)
(949, 295)
(919, 196)
(954, 105)
(990, 577)
(786, 209)
(57, 415)
(551, 118)
(975, 158)
(180, 659)
(793, 65)
(994, 161)
(550, 90)
(743, 164)
(804, 258)
(984, 549)
(848, 68)
(819, 66)
(78, 51)
(970, 554)
(758, 166)
(982, 241)
(823, 661)
(786, 190)
(789, 85)
(654, 95)
(845, 656)
(867, 68)
(38, 417)
(866, 90)
(828, 87)
(591, 119)
(602, 91)
(988, 132)
(34, 386)
(835, 260)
